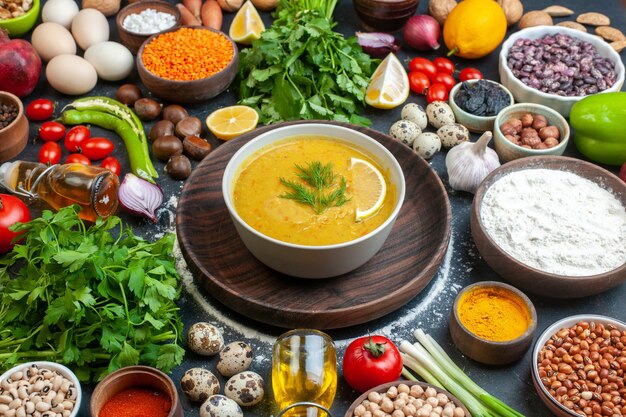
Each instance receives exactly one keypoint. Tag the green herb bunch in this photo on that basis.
(77, 295)
(301, 69)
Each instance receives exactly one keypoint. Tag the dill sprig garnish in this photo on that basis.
(319, 179)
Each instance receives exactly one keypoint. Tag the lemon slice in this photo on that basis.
(230, 122)
(389, 85)
(368, 188)
(247, 25)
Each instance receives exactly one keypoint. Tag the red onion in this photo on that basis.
(422, 32)
(140, 197)
(377, 44)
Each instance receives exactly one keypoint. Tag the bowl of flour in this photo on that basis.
(553, 226)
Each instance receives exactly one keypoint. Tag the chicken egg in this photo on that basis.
(90, 27)
(112, 60)
(51, 39)
(59, 11)
(71, 74)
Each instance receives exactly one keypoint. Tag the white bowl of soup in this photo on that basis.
(313, 200)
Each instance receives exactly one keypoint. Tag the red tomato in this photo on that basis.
(370, 361)
(437, 92)
(97, 148)
(422, 65)
(50, 153)
(444, 65)
(51, 131)
(77, 158)
(12, 210)
(40, 109)
(445, 79)
(419, 82)
(470, 74)
(112, 164)
(75, 138)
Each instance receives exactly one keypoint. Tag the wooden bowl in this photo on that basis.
(188, 91)
(384, 387)
(135, 376)
(526, 277)
(484, 350)
(384, 15)
(133, 40)
(14, 137)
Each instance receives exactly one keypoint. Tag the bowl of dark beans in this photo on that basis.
(557, 66)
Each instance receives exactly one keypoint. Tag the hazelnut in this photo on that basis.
(539, 121)
(551, 142)
(549, 132)
(508, 129)
(527, 120)
(512, 138)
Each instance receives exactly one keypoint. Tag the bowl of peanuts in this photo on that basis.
(39, 388)
(407, 398)
(579, 366)
(527, 129)
(188, 64)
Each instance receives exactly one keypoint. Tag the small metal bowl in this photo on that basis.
(133, 40)
(14, 137)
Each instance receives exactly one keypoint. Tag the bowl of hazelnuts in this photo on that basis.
(528, 129)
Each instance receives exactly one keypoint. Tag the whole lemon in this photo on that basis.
(474, 28)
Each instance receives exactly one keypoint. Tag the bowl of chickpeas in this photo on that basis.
(407, 398)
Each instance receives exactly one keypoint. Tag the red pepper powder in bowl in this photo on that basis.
(187, 54)
(137, 402)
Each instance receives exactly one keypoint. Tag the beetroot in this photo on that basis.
(20, 66)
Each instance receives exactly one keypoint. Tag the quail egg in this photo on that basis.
(439, 114)
(199, 384)
(416, 114)
(453, 134)
(234, 358)
(404, 131)
(245, 388)
(220, 406)
(205, 339)
(427, 144)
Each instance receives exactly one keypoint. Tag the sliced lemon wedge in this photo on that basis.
(368, 188)
(247, 25)
(229, 122)
(389, 85)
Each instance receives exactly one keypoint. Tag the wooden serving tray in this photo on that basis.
(231, 274)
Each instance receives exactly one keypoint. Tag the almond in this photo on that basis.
(572, 25)
(593, 19)
(558, 11)
(618, 46)
(535, 18)
(610, 34)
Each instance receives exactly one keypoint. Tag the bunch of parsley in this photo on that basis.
(301, 69)
(79, 295)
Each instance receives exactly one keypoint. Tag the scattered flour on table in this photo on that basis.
(556, 221)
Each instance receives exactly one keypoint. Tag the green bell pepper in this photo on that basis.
(600, 124)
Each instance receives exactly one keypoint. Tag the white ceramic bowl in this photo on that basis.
(63, 370)
(526, 94)
(314, 261)
(476, 124)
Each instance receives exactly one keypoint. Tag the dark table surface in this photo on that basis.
(429, 310)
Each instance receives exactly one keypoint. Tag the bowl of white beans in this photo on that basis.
(39, 388)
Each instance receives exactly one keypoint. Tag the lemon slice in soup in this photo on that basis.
(368, 188)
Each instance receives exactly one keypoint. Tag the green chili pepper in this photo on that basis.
(140, 162)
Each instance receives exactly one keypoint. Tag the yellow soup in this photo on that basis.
(258, 193)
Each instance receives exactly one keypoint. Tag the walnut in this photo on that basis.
(513, 10)
(107, 7)
(439, 9)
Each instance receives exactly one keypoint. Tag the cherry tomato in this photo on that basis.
(445, 79)
(419, 82)
(437, 92)
(77, 158)
(370, 361)
(112, 164)
(422, 65)
(51, 131)
(97, 148)
(12, 210)
(50, 153)
(40, 109)
(75, 138)
(470, 74)
(444, 65)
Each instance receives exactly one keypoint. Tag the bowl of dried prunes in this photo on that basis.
(476, 103)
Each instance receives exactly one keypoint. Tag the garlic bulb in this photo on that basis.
(469, 163)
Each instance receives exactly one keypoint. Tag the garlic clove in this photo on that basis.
(469, 163)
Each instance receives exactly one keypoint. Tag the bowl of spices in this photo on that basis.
(13, 126)
(553, 226)
(188, 64)
(557, 66)
(134, 391)
(492, 322)
(138, 21)
(39, 388)
(476, 103)
(579, 364)
(527, 129)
